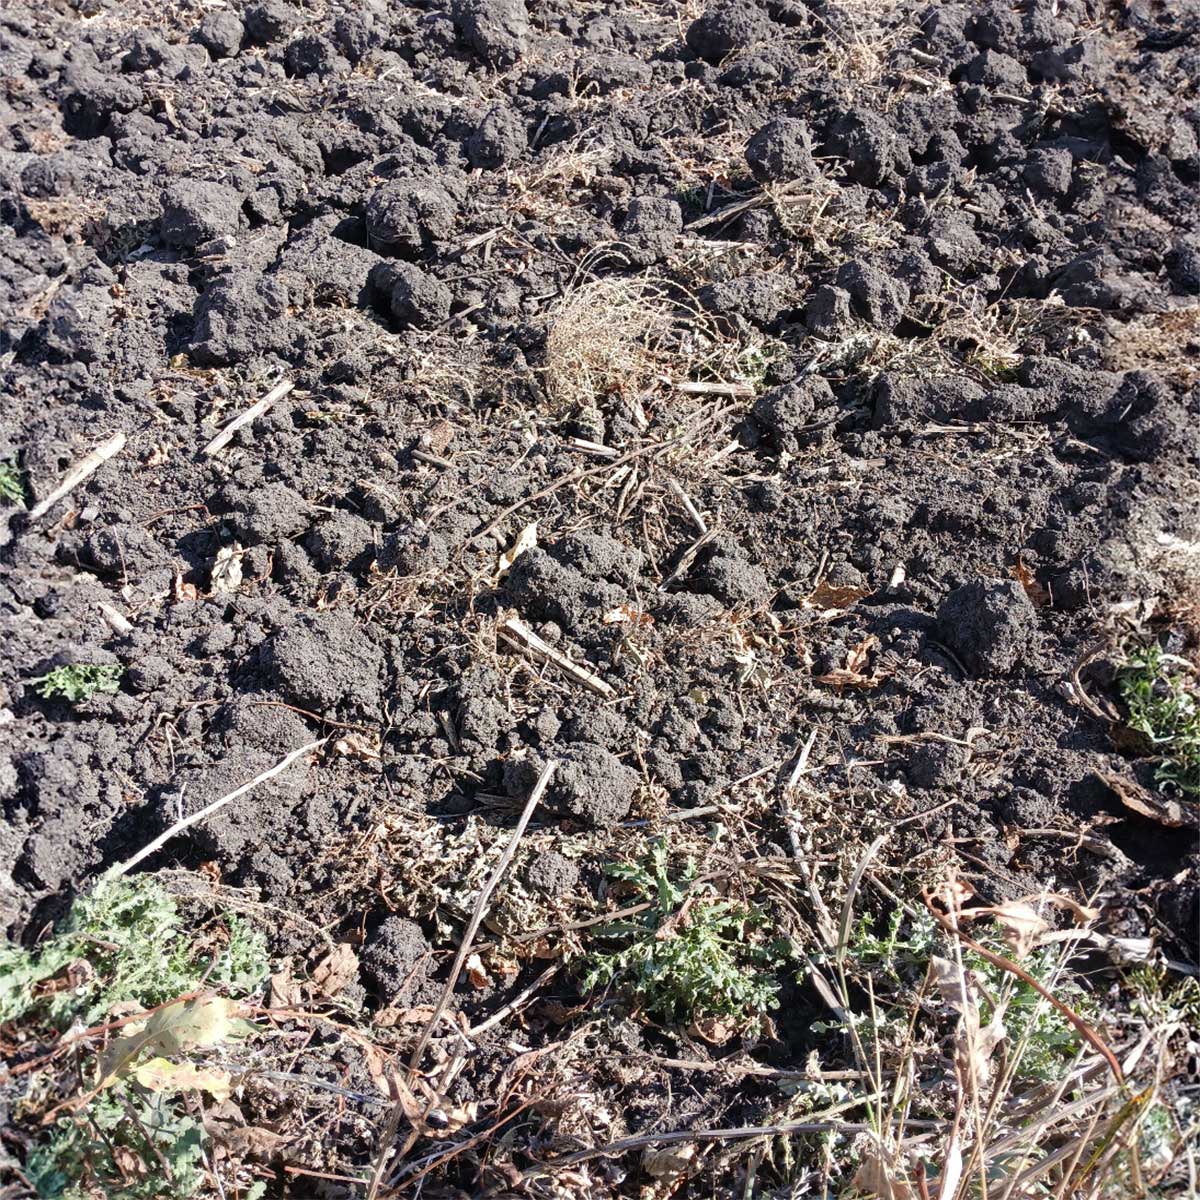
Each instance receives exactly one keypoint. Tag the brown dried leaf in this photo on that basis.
(1022, 924)
(830, 597)
(626, 614)
(1146, 804)
(359, 746)
(1037, 594)
(878, 1175)
(670, 1162)
(184, 591)
(337, 969)
(714, 1030)
(476, 972)
(286, 990)
(857, 658)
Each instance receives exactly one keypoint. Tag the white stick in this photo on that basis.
(516, 633)
(179, 826)
(255, 411)
(117, 622)
(79, 472)
(737, 390)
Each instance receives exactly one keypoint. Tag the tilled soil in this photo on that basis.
(843, 354)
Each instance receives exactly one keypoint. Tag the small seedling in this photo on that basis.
(12, 489)
(1164, 707)
(78, 681)
(690, 955)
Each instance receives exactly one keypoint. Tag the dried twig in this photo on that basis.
(79, 472)
(464, 948)
(518, 635)
(207, 811)
(577, 475)
(1084, 1030)
(255, 411)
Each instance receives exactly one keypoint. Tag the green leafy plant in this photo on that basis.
(123, 942)
(78, 681)
(12, 489)
(1160, 692)
(126, 1145)
(691, 954)
(126, 943)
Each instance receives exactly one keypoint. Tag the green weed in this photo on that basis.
(123, 942)
(690, 955)
(1164, 707)
(78, 681)
(126, 1145)
(12, 487)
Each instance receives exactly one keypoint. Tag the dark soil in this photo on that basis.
(949, 254)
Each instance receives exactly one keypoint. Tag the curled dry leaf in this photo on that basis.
(337, 969)
(1021, 924)
(828, 597)
(162, 1075)
(182, 590)
(226, 575)
(714, 1030)
(1037, 594)
(624, 614)
(879, 1174)
(852, 674)
(669, 1162)
(358, 745)
(286, 991)
(1147, 804)
(526, 540)
(476, 972)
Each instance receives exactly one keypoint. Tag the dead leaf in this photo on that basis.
(857, 658)
(626, 614)
(359, 746)
(1022, 924)
(851, 675)
(226, 575)
(950, 982)
(526, 540)
(1038, 595)
(251, 1141)
(185, 591)
(670, 1162)
(829, 597)
(394, 1015)
(878, 1175)
(337, 969)
(185, 1025)
(476, 973)
(714, 1030)
(1146, 804)
(286, 990)
(162, 1075)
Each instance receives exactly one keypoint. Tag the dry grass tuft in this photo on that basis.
(620, 336)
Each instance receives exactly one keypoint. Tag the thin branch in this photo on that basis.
(207, 811)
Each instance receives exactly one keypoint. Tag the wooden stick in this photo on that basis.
(736, 390)
(518, 635)
(79, 472)
(116, 621)
(207, 811)
(255, 411)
